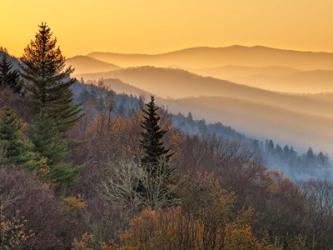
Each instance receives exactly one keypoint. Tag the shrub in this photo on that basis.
(13, 231)
(166, 229)
(45, 216)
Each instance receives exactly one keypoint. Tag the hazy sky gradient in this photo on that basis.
(153, 26)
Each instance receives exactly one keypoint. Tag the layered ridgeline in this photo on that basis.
(258, 66)
(207, 57)
(276, 78)
(295, 119)
(299, 166)
(84, 64)
(176, 83)
(256, 120)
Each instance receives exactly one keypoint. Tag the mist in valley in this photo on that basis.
(285, 98)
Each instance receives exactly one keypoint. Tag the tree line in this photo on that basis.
(294, 164)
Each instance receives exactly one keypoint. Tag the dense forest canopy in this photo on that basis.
(82, 167)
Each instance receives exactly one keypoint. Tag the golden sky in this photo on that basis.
(153, 26)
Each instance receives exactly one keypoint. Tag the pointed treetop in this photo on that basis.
(47, 79)
(9, 77)
(152, 136)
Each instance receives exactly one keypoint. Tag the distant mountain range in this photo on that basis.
(175, 83)
(261, 121)
(274, 78)
(258, 66)
(301, 120)
(85, 64)
(296, 166)
(207, 57)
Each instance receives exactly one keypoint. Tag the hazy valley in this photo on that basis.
(293, 118)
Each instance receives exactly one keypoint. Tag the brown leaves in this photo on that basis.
(13, 231)
(167, 229)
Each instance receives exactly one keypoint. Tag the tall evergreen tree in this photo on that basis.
(151, 137)
(48, 142)
(47, 79)
(157, 187)
(10, 127)
(16, 151)
(9, 77)
(46, 139)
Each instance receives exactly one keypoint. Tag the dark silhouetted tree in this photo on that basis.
(310, 157)
(323, 159)
(156, 189)
(270, 146)
(48, 80)
(9, 77)
(151, 137)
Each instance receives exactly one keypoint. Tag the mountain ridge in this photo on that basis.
(86, 64)
(178, 83)
(199, 57)
(253, 119)
(274, 78)
(235, 46)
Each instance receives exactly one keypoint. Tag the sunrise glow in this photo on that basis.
(150, 26)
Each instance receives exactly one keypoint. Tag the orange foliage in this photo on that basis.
(174, 229)
(168, 229)
(13, 231)
(75, 202)
(208, 202)
(240, 237)
(84, 243)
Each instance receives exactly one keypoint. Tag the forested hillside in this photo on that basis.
(253, 111)
(82, 167)
(298, 166)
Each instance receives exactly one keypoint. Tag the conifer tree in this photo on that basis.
(10, 127)
(46, 138)
(48, 142)
(9, 77)
(151, 137)
(47, 79)
(16, 150)
(156, 188)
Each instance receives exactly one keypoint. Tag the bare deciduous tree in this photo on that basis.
(124, 180)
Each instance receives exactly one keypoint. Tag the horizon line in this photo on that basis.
(204, 47)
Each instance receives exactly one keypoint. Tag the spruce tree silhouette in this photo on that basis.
(9, 77)
(152, 135)
(155, 188)
(47, 79)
